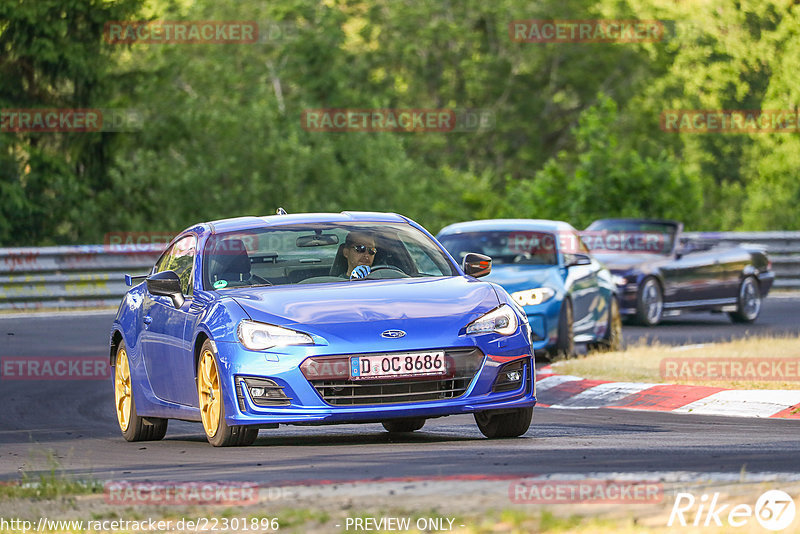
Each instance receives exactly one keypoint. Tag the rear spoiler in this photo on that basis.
(135, 280)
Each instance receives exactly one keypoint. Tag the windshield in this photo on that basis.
(623, 237)
(506, 246)
(319, 253)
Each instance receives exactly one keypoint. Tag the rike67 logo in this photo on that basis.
(774, 510)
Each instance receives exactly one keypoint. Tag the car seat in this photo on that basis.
(230, 262)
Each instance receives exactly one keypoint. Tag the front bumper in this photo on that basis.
(307, 406)
(765, 280)
(543, 319)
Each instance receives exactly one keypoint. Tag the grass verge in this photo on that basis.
(51, 484)
(692, 365)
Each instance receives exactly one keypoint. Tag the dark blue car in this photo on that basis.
(253, 322)
(567, 295)
(661, 273)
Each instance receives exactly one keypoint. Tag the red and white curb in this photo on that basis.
(573, 392)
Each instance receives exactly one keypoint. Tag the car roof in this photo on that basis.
(251, 222)
(639, 220)
(487, 225)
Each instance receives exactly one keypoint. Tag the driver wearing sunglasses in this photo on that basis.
(359, 249)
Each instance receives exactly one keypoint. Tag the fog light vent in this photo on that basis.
(513, 376)
(262, 391)
(509, 377)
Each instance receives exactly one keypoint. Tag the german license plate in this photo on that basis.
(404, 365)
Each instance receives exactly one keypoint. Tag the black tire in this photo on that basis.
(224, 435)
(565, 345)
(649, 302)
(233, 436)
(132, 425)
(403, 425)
(748, 302)
(506, 424)
(612, 339)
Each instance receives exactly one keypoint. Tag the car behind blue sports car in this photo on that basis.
(660, 272)
(253, 322)
(567, 295)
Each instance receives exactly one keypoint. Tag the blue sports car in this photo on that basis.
(567, 295)
(253, 322)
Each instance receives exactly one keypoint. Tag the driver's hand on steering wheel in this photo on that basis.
(361, 271)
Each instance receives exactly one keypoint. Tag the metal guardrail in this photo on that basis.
(84, 276)
(92, 275)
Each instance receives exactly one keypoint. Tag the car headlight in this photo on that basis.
(620, 280)
(261, 336)
(502, 320)
(532, 297)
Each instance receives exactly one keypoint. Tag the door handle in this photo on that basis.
(148, 319)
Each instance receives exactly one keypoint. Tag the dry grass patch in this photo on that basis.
(643, 363)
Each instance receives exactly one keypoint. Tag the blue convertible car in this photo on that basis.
(568, 295)
(253, 322)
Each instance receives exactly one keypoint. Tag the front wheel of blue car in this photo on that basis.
(565, 345)
(212, 406)
(504, 423)
(612, 339)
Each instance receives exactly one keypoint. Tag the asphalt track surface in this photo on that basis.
(73, 422)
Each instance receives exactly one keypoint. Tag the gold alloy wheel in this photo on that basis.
(209, 392)
(122, 389)
(615, 336)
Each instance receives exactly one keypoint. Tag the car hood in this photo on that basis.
(521, 277)
(353, 311)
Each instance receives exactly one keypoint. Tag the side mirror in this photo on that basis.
(570, 260)
(166, 284)
(476, 265)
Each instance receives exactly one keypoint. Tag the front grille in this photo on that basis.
(462, 365)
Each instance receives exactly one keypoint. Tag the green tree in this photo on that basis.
(52, 56)
(602, 178)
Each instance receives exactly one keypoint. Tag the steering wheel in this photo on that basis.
(387, 267)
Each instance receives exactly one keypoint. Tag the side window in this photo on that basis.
(180, 258)
(425, 264)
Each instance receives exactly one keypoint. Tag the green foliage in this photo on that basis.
(51, 483)
(603, 178)
(52, 56)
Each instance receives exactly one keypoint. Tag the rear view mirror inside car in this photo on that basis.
(317, 240)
